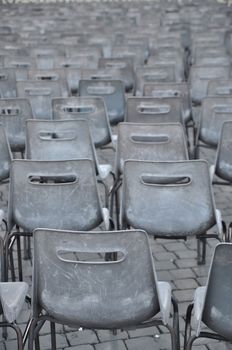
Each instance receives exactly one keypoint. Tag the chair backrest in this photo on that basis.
(154, 142)
(136, 53)
(13, 115)
(217, 309)
(54, 194)
(5, 155)
(112, 91)
(160, 90)
(7, 83)
(92, 296)
(220, 87)
(153, 75)
(73, 77)
(179, 200)
(59, 140)
(77, 62)
(215, 111)
(50, 75)
(20, 64)
(90, 108)
(201, 75)
(154, 110)
(40, 94)
(223, 163)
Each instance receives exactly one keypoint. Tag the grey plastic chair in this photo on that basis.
(112, 91)
(20, 64)
(73, 77)
(91, 295)
(92, 109)
(50, 75)
(135, 53)
(13, 115)
(153, 110)
(7, 83)
(5, 155)
(153, 75)
(53, 194)
(214, 112)
(40, 94)
(179, 200)
(212, 303)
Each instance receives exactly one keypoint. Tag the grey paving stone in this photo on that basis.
(185, 263)
(175, 246)
(188, 283)
(105, 335)
(142, 332)
(114, 345)
(80, 347)
(182, 273)
(147, 343)
(82, 337)
(45, 341)
(184, 295)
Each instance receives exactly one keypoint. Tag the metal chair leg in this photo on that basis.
(176, 322)
(53, 335)
(201, 250)
(31, 334)
(190, 342)
(17, 331)
(187, 332)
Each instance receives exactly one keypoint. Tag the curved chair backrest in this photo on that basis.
(135, 53)
(154, 142)
(223, 164)
(160, 90)
(199, 77)
(153, 75)
(20, 64)
(73, 77)
(50, 75)
(7, 83)
(5, 155)
(40, 94)
(54, 194)
(217, 309)
(77, 62)
(153, 110)
(112, 91)
(214, 112)
(220, 87)
(95, 293)
(13, 115)
(179, 200)
(59, 140)
(106, 73)
(90, 108)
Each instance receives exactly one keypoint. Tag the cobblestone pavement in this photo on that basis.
(175, 261)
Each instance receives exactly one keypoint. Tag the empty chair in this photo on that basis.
(179, 200)
(153, 75)
(13, 115)
(7, 83)
(40, 94)
(5, 155)
(212, 303)
(154, 110)
(92, 109)
(112, 91)
(91, 295)
(53, 194)
(50, 75)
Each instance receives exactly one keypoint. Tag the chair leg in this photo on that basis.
(201, 250)
(31, 334)
(17, 331)
(176, 322)
(187, 332)
(190, 342)
(53, 335)
(19, 258)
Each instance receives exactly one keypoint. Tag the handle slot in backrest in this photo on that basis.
(3, 77)
(222, 109)
(167, 181)
(101, 77)
(155, 76)
(209, 75)
(153, 109)
(91, 258)
(11, 111)
(65, 135)
(119, 65)
(166, 93)
(52, 179)
(20, 64)
(100, 90)
(224, 90)
(38, 91)
(47, 77)
(78, 109)
(150, 138)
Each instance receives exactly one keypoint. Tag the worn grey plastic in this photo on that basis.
(153, 74)
(12, 296)
(136, 53)
(154, 142)
(20, 64)
(13, 115)
(125, 65)
(77, 62)
(5, 156)
(223, 163)
(73, 77)
(213, 301)
(91, 295)
(160, 90)
(153, 110)
(7, 83)
(90, 108)
(106, 73)
(54, 194)
(113, 93)
(214, 112)
(164, 185)
(50, 75)
(220, 87)
(40, 94)
(199, 77)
